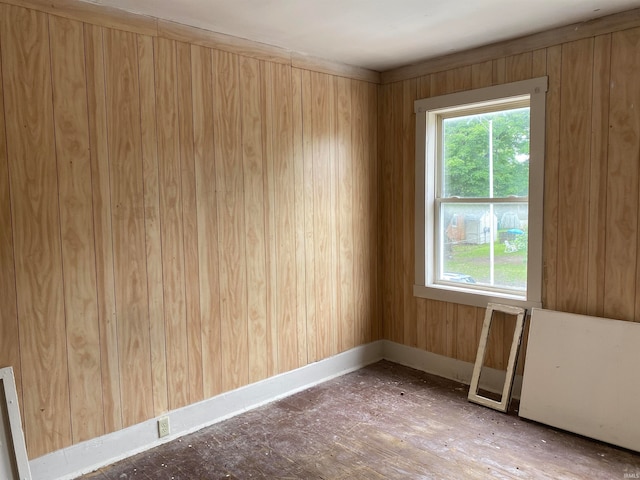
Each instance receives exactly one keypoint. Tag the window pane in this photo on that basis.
(484, 245)
(470, 162)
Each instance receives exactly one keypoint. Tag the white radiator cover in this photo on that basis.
(582, 374)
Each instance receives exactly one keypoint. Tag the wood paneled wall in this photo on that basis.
(591, 199)
(175, 221)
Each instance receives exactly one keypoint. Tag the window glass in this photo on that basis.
(479, 187)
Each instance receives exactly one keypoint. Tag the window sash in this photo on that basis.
(428, 202)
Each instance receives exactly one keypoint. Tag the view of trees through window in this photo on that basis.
(485, 156)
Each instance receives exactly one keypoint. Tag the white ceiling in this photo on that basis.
(376, 34)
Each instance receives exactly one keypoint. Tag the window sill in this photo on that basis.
(474, 298)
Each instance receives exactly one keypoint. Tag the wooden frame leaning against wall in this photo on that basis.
(14, 464)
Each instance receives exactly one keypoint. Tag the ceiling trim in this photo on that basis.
(110, 17)
(548, 38)
(94, 14)
(220, 41)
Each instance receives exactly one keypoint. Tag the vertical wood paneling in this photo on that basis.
(423, 318)
(141, 252)
(100, 183)
(36, 226)
(361, 226)
(396, 206)
(622, 178)
(385, 148)
(76, 224)
(518, 67)
(231, 225)
(152, 223)
(9, 327)
(345, 231)
(127, 207)
(551, 188)
(590, 206)
(573, 175)
(176, 222)
(207, 212)
(334, 325)
(373, 327)
(299, 199)
(598, 175)
(466, 333)
(409, 95)
(189, 224)
(320, 114)
(171, 226)
(482, 74)
(284, 192)
(254, 201)
(271, 356)
(309, 217)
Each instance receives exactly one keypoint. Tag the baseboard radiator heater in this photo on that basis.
(582, 374)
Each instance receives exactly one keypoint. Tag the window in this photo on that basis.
(479, 187)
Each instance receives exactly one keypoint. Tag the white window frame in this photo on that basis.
(427, 111)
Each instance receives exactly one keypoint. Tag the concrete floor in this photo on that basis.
(384, 421)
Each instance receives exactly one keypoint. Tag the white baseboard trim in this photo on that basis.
(447, 367)
(76, 460)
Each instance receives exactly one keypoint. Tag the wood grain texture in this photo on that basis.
(373, 321)
(622, 178)
(385, 178)
(268, 106)
(152, 221)
(220, 41)
(551, 186)
(196, 214)
(320, 65)
(372, 158)
(231, 224)
(207, 213)
(590, 210)
(76, 225)
(189, 224)
(396, 159)
(598, 175)
(88, 12)
(102, 225)
(409, 95)
(284, 192)
(171, 221)
(254, 201)
(127, 207)
(299, 225)
(518, 67)
(345, 230)
(38, 263)
(321, 152)
(360, 220)
(574, 175)
(309, 217)
(9, 327)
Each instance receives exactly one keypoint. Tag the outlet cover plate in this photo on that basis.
(163, 427)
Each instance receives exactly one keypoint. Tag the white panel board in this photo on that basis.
(581, 375)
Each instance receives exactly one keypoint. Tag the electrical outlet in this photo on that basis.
(163, 427)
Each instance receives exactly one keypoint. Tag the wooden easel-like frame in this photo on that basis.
(503, 404)
(12, 427)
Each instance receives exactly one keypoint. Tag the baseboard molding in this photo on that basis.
(86, 457)
(446, 367)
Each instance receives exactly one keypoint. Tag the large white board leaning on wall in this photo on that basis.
(582, 374)
(14, 464)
